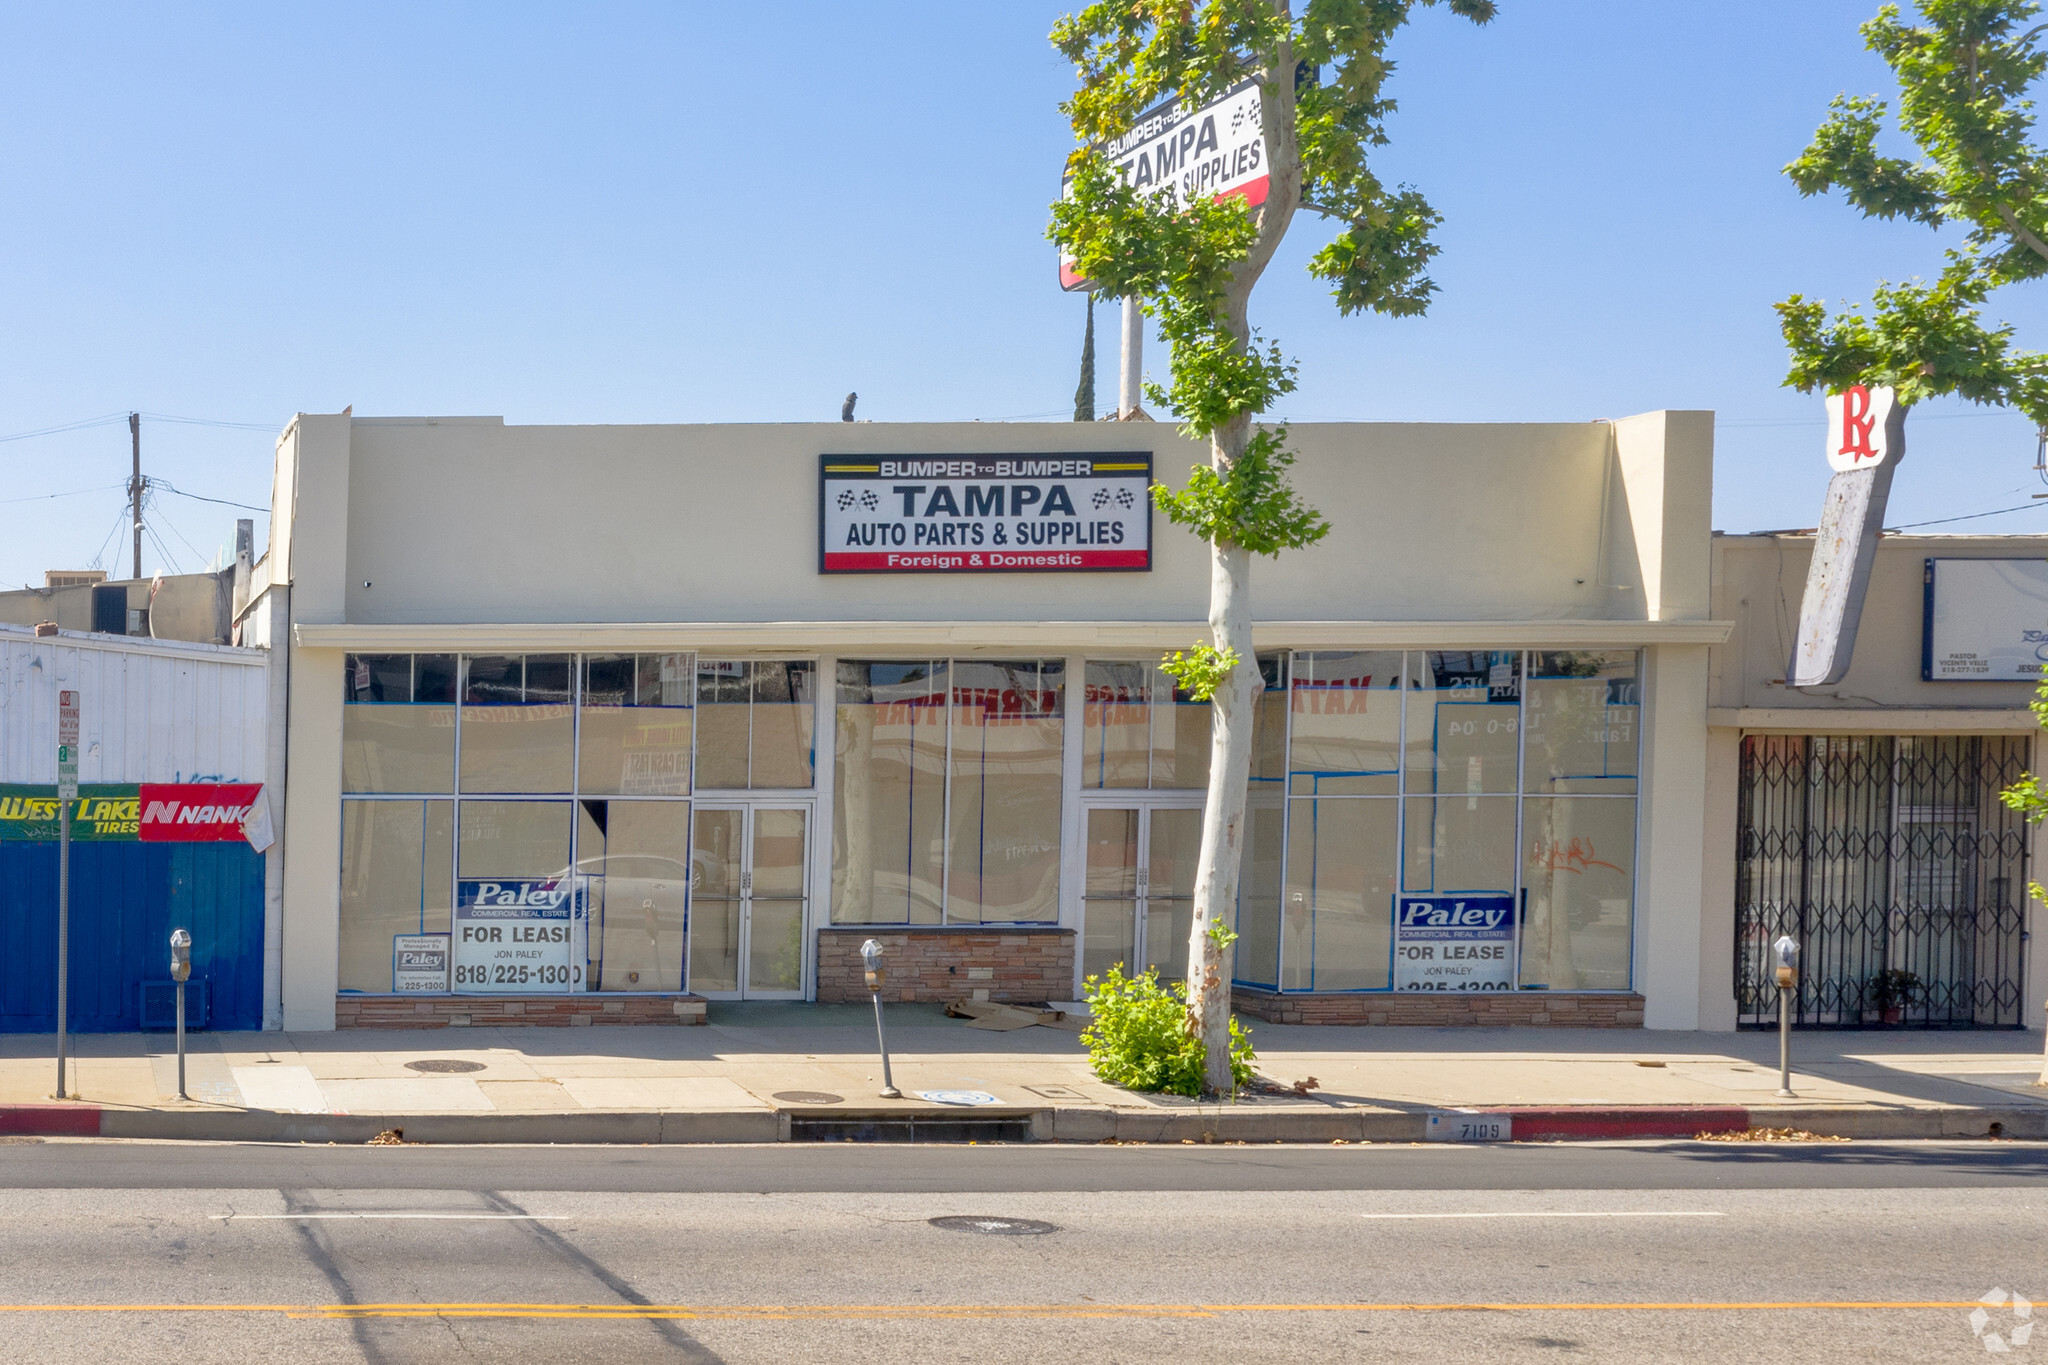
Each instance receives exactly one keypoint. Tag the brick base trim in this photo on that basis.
(1431, 1009)
(949, 964)
(503, 1011)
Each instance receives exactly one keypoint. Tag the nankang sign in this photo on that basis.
(984, 513)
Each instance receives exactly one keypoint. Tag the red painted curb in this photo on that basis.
(50, 1120)
(1627, 1121)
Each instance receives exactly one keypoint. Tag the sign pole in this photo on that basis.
(1130, 396)
(67, 793)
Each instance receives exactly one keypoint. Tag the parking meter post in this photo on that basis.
(181, 972)
(1787, 951)
(871, 962)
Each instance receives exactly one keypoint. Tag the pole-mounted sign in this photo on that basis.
(67, 746)
(67, 796)
(1866, 441)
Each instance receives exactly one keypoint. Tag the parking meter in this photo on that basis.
(871, 961)
(1786, 951)
(181, 972)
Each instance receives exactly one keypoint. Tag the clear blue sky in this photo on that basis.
(683, 213)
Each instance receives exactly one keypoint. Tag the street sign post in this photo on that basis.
(67, 797)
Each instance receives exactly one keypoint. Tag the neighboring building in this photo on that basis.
(198, 607)
(586, 698)
(1864, 819)
(178, 743)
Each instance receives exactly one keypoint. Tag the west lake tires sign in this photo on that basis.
(894, 514)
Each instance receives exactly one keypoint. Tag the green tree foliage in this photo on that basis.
(1321, 68)
(1963, 76)
(1136, 1036)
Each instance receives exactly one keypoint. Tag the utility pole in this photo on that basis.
(135, 485)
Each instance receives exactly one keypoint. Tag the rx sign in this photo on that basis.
(1860, 427)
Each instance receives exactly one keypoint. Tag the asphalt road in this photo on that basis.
(115, 1252)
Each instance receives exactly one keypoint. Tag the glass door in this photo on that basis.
(749, 900)
(1137, 898)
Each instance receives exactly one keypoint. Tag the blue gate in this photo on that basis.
(125, 900)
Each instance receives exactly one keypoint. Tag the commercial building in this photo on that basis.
(1864, 819)
(588, 720)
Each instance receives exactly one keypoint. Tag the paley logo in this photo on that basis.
(519, 895)
(1422, 914)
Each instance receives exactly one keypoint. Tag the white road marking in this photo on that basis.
(1561, 1213)
(461, 1217)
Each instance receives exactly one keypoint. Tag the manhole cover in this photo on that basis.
(808, 1097)
(995, 1227)
(444, 1064)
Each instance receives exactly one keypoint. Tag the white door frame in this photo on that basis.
(748, 803)
(1143, 801)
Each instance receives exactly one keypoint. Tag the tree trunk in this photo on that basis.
(1223, 818)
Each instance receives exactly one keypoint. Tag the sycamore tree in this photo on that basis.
(1321, 68)
(1965, 73)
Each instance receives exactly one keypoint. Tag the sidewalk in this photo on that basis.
(767, 1072)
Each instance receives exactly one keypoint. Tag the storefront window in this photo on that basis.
(396, 878)
(1432, 775)
(1584, 706)
(1340, 889)
(518, 727)
(513, 840)
(1578, 877)
(889, 793)
(398, 723)
(755, 719)
(947, 792)
(1347, 724)
(635, 857)
(635, 725)
(1004, 803)
(1141, 731)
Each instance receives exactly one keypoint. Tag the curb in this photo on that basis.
(61, 1118)
(1321, 1123)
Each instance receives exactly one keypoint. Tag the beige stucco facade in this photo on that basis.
(466, 534)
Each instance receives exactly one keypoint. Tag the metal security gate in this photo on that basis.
(1897, 868)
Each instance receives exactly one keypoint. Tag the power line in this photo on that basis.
(170, 560)
(107, 420)
(212, 422)
(1943, 521)
(179, 534)
(164, 484)
(44, 497)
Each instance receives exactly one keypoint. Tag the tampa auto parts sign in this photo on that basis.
(985, 513)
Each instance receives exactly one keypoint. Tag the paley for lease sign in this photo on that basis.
(524, 935)
(1454, 943)
(1061, 513)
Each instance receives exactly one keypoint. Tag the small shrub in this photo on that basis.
(1137, 1035)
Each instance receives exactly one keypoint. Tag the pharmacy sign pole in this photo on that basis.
(67, 796)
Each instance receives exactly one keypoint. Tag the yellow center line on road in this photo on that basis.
(943, 1312)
